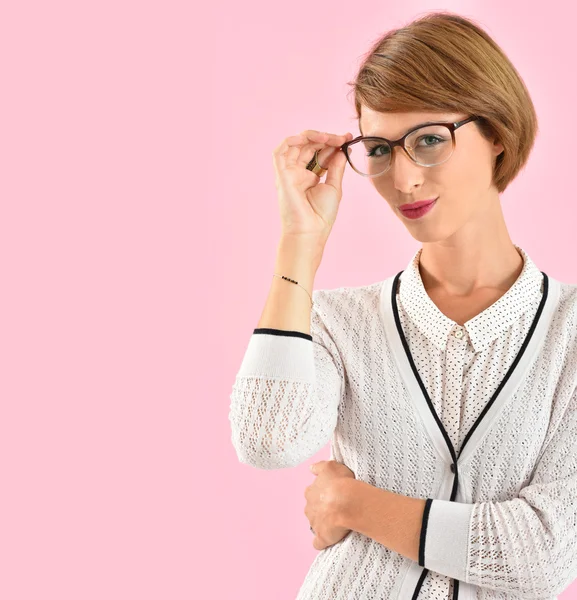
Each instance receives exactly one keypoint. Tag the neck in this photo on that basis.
(479, 257)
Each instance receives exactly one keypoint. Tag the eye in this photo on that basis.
(376, 151)
(435, 138)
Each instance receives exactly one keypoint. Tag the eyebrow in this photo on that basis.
(410, 128)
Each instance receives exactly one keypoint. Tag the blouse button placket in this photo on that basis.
(452, 396)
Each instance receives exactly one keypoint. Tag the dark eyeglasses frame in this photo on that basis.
(401, 142)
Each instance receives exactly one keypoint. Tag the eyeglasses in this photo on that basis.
(427, 145)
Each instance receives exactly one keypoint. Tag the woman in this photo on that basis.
(448, 390)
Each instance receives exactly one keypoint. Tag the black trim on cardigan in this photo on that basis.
(454, 465)
(424, 522)
(271, 331)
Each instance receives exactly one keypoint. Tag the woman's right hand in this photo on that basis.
(308, 206)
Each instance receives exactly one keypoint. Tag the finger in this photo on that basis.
(302, 147)
(307, 152)
(291, 150)
(336, 169)
(325, 156)
(329, 144)
(330, 139)
(279, 154)
(292, 155)
(318, 544)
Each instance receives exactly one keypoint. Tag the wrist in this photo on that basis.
(353, 493)
(307, 247)
(299, 258)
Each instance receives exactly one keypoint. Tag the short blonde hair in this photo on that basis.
(443, 62)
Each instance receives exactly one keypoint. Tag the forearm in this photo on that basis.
(391, 519)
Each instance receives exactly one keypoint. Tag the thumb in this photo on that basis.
(336, 169)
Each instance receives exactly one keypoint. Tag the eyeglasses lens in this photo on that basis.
(428, 146)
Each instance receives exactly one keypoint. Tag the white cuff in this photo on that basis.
(444, 542)
(279, 356)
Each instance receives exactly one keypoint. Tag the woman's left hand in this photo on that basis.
(326, 499)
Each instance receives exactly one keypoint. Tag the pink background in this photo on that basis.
(138, 234)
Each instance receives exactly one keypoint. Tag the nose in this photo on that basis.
(405, 172)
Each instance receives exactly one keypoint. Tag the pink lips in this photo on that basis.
(417, 209)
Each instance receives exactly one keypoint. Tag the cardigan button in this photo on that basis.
(452, 468)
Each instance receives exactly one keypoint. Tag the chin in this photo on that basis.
(428, 233)
(425, 237)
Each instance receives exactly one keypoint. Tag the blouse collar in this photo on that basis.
(523, 296)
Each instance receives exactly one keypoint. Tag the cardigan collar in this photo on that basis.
(523, 296)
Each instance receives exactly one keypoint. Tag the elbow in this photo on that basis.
(275, 443)
(269, 455)
(560, 570)
(265, 460)
(559, 587)
(547, 583)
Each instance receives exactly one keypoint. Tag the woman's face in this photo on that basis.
(462, 184)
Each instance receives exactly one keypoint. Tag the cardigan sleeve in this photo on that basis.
(525, 546)
(284, 401)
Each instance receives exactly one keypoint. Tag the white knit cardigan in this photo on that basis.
(501, 514)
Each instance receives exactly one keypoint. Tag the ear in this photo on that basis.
(497, 147)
